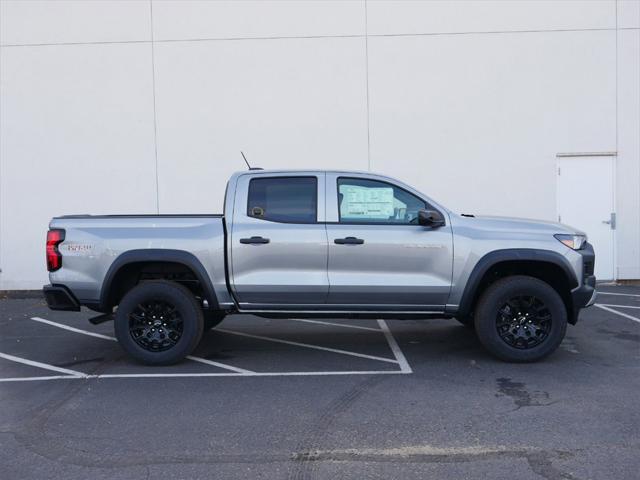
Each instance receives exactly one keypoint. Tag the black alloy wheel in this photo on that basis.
(524, 322)
(155, 325)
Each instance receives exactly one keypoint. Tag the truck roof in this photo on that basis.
(234, 178)
(257, 171)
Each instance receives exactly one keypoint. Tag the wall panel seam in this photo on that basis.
(155, 121)
(314, 37)
(366, 54)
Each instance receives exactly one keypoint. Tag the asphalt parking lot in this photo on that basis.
(336, 399)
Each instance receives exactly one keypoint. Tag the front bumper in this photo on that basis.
(59, 297)
(585, 295)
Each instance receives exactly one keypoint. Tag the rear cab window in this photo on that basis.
(283, 199)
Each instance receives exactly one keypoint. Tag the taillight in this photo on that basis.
(54, 257)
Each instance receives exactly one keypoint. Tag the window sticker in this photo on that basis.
(362, 202)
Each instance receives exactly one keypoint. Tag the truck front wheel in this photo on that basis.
(520, 319)
(159, 322)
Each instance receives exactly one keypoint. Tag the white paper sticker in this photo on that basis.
(363, 202)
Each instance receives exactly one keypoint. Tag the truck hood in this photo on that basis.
(518, 225)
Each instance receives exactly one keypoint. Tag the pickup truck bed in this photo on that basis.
(99, 245)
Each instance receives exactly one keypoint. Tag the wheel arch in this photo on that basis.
(548, 266)
(133, 262)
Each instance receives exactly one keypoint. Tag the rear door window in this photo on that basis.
(283, 199)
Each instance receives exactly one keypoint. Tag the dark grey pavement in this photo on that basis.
(453, 412)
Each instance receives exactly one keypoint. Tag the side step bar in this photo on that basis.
(101, 318)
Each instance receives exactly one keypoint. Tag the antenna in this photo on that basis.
(245, 160)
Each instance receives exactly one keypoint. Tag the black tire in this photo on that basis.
(520, 319)
(212, 318)
(176, 321)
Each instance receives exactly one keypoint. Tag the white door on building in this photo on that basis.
(586, 202)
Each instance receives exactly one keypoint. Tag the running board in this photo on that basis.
(101, 318)
(362, 314)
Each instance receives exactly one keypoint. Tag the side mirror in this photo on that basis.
(430, 218)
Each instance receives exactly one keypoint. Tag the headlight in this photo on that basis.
(576, 242)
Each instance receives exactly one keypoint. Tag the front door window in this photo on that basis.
(362, 201)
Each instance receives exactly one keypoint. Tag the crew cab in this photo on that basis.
(320, 244)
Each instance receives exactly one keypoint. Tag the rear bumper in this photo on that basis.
(59, 297)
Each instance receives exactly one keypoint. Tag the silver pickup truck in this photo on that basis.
(320, 244)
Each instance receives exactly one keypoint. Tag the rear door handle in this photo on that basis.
(349, 241)
(254, 240)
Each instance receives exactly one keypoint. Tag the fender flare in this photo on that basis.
(182, 257)
(511, 254)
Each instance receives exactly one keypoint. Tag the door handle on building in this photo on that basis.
(612, 221)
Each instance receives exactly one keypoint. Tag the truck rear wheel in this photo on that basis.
(520, 319)
(159, 322)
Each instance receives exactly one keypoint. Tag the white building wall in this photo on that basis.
(140, 106)
(628, 146)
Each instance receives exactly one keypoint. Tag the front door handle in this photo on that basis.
(254, 240)
(349, 241)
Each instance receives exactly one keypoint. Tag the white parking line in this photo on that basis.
(623, 294)
(400, 359)
(346, 325)
(308, 345)
(254, 374)
(395, 348)
(204, 375)
(218, 364)
(46, 366)
(33, 379)
(630, 317)
(106, 337)
(72, 329)
(619, 306)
